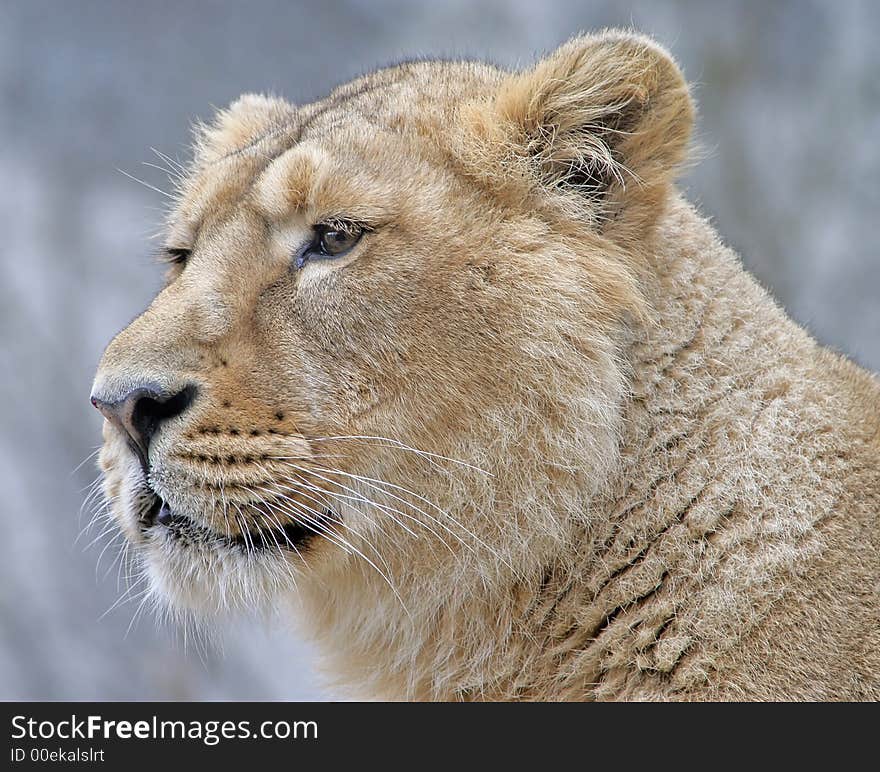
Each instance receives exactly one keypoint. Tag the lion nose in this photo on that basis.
(141, 412)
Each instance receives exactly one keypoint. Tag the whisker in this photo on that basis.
(360, 497)
(249, 548)
(377, 569)
(320, 517)
(302, 482)
(111, 526)
(175, 178)
(90, 456)
(403, 446)
(398, 498)
(102, 513)
(373, 482)
(147, 184)
(137, 612)
(288, 508)
(125, 596)
(357, 497)
(101, 556)
(181, 169)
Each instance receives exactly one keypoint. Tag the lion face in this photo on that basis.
(387, 315)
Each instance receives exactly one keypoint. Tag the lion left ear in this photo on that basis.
(242, 122)
(607, 117)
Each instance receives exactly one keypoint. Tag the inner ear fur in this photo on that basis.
(605, 120)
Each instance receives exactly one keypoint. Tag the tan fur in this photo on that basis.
(579, 454)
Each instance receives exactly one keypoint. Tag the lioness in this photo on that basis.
(446, 365)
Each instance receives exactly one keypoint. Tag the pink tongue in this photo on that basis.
(164, 516)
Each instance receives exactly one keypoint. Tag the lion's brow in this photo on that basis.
(320, 108)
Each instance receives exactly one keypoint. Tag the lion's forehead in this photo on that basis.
(374, 126)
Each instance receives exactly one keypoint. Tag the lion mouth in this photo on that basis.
(292, 536)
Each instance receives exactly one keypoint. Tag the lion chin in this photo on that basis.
(446, 366)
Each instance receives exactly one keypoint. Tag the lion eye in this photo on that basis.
(330, 241)
(333, 242)
(176, 255)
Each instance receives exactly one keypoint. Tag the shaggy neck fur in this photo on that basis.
(728, 465)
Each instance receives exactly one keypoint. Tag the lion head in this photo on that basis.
(385, 365)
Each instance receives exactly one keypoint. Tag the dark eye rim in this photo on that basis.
(317, 249)
(176, 255)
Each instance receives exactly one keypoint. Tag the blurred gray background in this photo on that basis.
(789, 97)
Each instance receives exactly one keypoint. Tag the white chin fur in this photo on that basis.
(209, 582)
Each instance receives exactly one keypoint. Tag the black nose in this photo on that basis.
(141, 412)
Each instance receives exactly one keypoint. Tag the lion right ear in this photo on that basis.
(246, 119)
(604, 120)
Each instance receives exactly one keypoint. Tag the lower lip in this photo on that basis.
(294, 535)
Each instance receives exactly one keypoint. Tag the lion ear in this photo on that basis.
(605, 116)
(246, 119)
